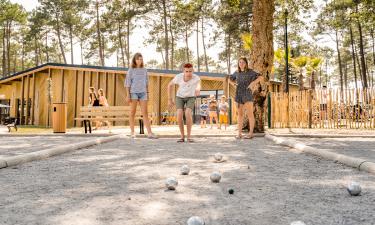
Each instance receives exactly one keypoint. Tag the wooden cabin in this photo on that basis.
(27, 91)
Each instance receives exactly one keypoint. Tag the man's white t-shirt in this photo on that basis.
(186, 89)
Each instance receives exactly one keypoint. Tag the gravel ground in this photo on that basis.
(11, 146)
(356, 147)
(122, 182)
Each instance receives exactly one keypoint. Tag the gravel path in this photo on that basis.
(122, 182)
(11, 146)
(355, 147)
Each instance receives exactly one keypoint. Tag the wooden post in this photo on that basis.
(97, 80)
(48, 103)
(158, 107)
(75, 97)
(33, 102)
(226, 86)
(62, 86)
(114, 92)
(83, 90)
(309, 104)
(90, 79)
(22, 100)
(106, 84)
(27, 101)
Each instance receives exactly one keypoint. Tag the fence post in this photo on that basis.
(269, 110)
(309, 105)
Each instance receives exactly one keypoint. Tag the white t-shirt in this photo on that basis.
(186, 89)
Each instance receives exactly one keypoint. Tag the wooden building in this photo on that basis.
(70, 84)
(27, 91)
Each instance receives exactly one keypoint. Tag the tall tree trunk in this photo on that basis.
(121, 44)
(8, 46)
(362, 53)
(353, 56)
(99, 36)
(166, 39)
(58, 29)
(262, 54)
(340, 65)
(204, 48)
(346, 75)
(81, 45)
(313, 79)
(373, 46)
(36, 51)
(23, 56)
(46, 47)
(359, 67)
(229, 54)
(187, 45)
(128, 41)
(71, 43)
(300, 82)
(172, 42)
(4, 53)
(198, 60)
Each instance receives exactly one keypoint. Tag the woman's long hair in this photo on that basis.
(135, 57)
(247, 64)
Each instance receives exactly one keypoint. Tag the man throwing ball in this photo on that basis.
(188, 89)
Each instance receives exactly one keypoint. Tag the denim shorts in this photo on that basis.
(139, 96)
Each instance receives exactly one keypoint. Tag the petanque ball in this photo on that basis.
(218, 157)
(171, 183)
(231, 191)
(215, 177)
(354, 188)
(297, 223)
(195, 220)
(185, 170)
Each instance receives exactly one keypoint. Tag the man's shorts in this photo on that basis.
(139, 96)
(184, 103)
(223, 118)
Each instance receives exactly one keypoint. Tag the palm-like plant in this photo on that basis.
(299, 64)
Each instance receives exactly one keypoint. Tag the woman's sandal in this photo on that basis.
(238, 137)
(248, 136)
(190, 140)
(180, 140)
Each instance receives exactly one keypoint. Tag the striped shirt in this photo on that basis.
(137, 80)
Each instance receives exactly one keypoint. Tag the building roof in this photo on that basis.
(72, 66)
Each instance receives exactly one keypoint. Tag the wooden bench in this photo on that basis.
(12, 124)
(87, 114)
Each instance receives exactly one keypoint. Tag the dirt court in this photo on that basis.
(122, 182)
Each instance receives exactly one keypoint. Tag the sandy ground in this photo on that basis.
(11, 146)
(122, 182)
(356, 147)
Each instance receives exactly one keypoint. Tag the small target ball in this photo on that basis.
(354, 188)
(231, 191)
(218, 157)
(195, 220)
(297, 223)
(171, 183)
(215, 177)
(185, 170)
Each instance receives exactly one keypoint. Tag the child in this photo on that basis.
(204, 113)
(223, 108)
(212, 105)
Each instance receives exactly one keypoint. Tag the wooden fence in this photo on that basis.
(323, 108)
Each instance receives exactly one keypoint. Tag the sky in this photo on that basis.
(139, 35)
